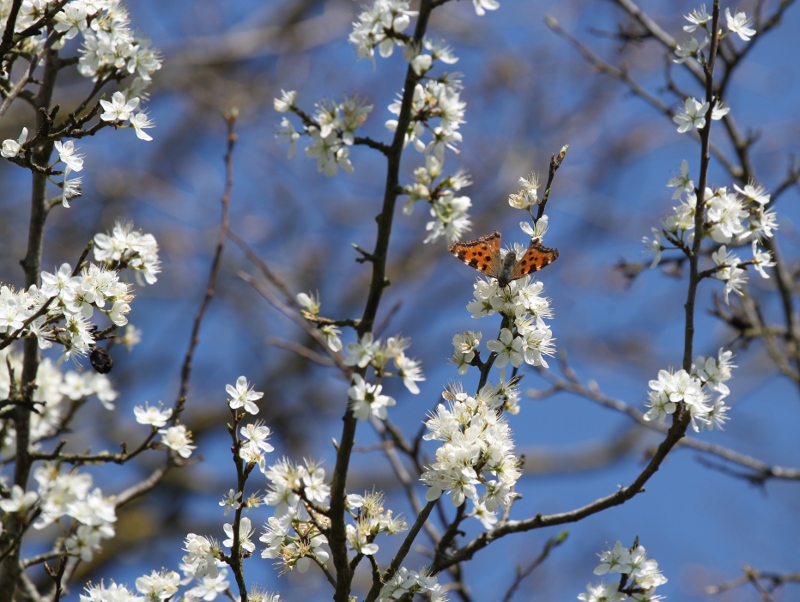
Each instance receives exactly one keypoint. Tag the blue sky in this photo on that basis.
(527, 93)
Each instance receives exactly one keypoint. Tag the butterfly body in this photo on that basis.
(483, 254)
(508, 269)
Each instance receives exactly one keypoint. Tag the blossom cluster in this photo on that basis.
(382, 24)
(365, 398)
(162, 585)
(176, 437)
(406, 583)
(439, 99)
(129, 248)
(200, 563)
(311, 306)
(528, 194)
(157, 586)
(85, 514)
(370, 520)
(60, 311)
(694, 112)
(450, 212)
(527, 337)
(331, 130)
(294, 536)
(476, 450)
(640, 577)
(67, 498)
(692, 391)
(54, 395)
(298, 493)
(731, 217)
(110, 51)
(121, 108)
(73, 297)
(433, 100)
(110, 47)
(203, 561)
(67, 154)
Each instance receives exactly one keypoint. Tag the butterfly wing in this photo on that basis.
(483, 253)
(535, 258)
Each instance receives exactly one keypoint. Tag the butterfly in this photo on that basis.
(483, 254)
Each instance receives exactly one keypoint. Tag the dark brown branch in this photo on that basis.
(11, 570)
(700, 213)
(338, 539)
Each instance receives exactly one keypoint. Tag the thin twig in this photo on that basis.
(194, 340)
(751, 575)
(760, 469)
(551, 544)
(297, 319)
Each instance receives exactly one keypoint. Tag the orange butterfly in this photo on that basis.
(483, 254)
